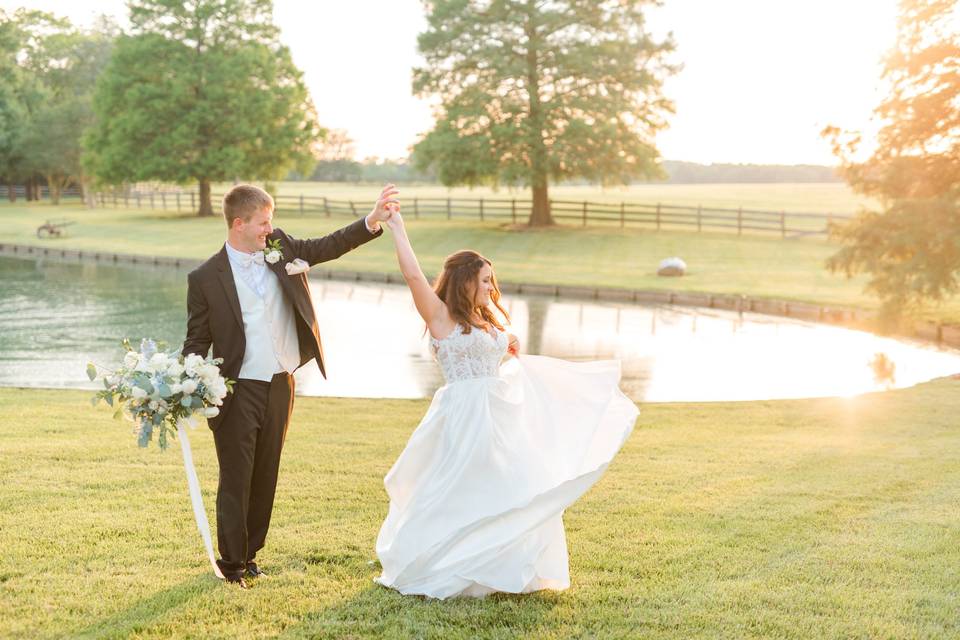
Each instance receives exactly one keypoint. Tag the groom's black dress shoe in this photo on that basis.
(253, 571)
(237, 580)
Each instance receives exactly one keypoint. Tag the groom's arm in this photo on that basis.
(198, 338)
(331, 246)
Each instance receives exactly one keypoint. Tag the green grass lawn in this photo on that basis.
(791, 519)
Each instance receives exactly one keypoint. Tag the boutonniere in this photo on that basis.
(273, 253)
(296, 266)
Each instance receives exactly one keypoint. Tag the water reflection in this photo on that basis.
(58, 316)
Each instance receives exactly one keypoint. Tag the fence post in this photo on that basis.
(326, 206)
(178, 202)
(137, 193)
(193, 207)
(353, 209)
(658, 216)
(416, 209)
(114, 199)
(740, 221)
(513, 210)
(151, 200)
(699, 215)
(301, 204)
(622, 220)
(449, 214)
(783, 224)
(584, 213)
(163, 199)
(481, 209)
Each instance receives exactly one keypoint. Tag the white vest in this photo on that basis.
(270, 330)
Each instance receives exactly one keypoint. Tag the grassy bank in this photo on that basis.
(719, 263)
(793, 519)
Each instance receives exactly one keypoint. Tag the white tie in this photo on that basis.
(250, 258)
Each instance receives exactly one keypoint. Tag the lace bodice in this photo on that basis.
(469, 355)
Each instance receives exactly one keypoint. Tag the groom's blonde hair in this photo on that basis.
(244, 200)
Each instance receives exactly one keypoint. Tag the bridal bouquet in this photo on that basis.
(161, 391)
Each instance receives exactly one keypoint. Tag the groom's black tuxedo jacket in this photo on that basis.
(214, 317)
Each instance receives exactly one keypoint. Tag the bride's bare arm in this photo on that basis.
(429, 305)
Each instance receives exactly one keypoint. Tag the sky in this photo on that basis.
(760, 78)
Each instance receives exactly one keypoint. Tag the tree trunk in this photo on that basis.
(540, 215)
(29, 187)
(86, 192)
(11, 190)
(206, 207)
(540, 212)
(54, 185)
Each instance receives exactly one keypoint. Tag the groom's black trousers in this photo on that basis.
(249, 441)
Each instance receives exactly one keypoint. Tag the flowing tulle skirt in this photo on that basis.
(478, 494)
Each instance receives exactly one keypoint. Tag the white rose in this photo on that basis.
(130, 359)
(211, 412)
(158, 361)
(188, 386)
(153, 405)
(175, 370)
(190, 364)
(272, 257)
(138, 393)
(176, 388)
(208, 373)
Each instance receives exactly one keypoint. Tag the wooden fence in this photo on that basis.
(583, 213)
(21, 191)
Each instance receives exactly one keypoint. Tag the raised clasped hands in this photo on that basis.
(386, 205)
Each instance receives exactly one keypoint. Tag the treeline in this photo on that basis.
(692, 173)
(370, 170)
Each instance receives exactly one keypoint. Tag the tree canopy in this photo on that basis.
(202, 91)
(534, 90)
(911, 247)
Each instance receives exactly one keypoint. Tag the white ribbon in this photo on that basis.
(199, 513)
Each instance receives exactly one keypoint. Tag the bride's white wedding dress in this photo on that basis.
(478, 494)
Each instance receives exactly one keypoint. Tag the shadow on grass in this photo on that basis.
(144, 612)
(380, 612)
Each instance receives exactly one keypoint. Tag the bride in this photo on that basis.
(478, 494)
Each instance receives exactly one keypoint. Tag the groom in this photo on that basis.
(258, 317)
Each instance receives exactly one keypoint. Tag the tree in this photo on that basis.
(23, 63)
(911, 247)
(72, 62)
(532, 90)
(201, 90)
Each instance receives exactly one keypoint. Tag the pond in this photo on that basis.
(58, 316)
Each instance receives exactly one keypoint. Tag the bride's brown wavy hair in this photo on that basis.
(456, 286)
